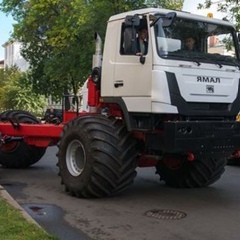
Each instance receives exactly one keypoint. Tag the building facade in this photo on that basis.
(13, 55)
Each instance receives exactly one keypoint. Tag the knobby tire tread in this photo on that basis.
(111, 160)
(23, 155)
(200, 173)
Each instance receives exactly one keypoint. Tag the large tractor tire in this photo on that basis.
(233, 160)
(19, 154)
(181, 173)
(96, 157)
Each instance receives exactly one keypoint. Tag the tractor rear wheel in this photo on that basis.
(234, 160)
(19, 154)
(178, 172)
(96, 157)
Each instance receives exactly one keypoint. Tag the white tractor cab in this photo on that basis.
(171, 108)
(169, 79)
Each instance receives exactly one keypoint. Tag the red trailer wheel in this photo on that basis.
(19, 154)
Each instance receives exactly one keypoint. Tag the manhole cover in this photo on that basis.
(166, 214)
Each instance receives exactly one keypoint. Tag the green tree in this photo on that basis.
(57, 37)
(16, 92)
(168, 4)
(227, 6)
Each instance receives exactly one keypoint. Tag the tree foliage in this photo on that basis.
(16, 92)
(231, 7)
(57, 37)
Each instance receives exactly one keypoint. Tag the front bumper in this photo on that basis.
(197, 136)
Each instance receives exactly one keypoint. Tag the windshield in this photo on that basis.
(197, 41)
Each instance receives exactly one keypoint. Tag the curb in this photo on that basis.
(6, 196)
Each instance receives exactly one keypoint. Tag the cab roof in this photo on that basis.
(187, 15)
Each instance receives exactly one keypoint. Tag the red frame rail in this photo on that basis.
(40, 135)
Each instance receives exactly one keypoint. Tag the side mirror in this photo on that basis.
(142, 59)
(132, 20)
(168, 19)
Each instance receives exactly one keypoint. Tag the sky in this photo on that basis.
(5, 30)
(7, 21)
(191, 6)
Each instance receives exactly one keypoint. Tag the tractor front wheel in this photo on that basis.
(96, 157)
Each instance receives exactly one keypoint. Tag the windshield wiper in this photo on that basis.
(182, 55)
(219, 64)
(223, 59)
(213, 61)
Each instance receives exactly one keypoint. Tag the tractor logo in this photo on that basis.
(210, 89)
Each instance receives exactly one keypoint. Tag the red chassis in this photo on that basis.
(40, 135)
(43, 135)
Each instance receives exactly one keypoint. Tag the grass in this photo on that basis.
(13, 226)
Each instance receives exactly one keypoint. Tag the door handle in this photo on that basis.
(118, 84)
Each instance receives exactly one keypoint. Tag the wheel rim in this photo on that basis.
(75, 158)
(9, 147)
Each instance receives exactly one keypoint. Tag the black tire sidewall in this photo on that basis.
(110, 156)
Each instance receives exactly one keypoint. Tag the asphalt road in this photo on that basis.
(148, 210)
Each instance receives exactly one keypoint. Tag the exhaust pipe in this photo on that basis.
(97, 57)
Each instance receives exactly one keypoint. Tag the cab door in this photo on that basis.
(132, 75)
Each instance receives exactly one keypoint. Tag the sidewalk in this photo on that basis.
(5, 195)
